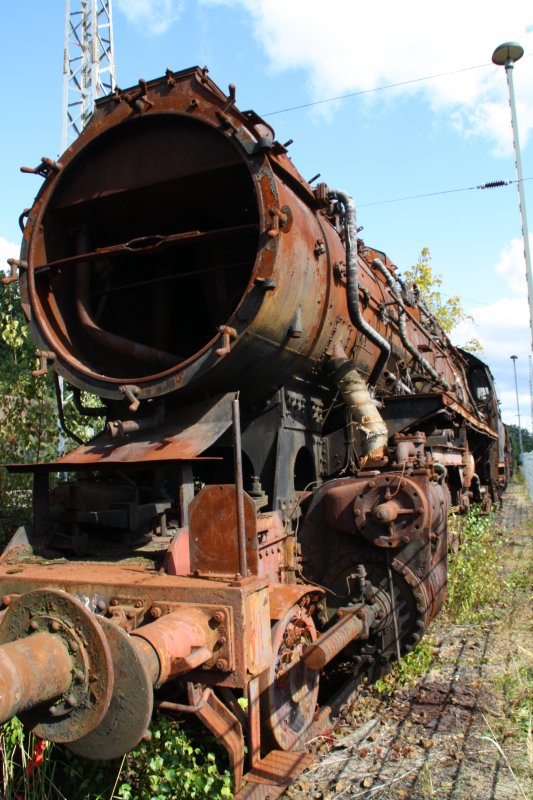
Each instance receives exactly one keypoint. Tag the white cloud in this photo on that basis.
(503, 328)
(352, 46)
(7, 250)
(511, 265)
(153, 16)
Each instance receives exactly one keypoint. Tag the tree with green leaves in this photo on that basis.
(527, 439)
(28, 418)
(448, 311)
(29, 425)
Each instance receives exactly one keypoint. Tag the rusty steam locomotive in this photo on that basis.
(286, 428)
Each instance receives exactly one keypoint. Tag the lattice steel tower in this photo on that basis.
(89, 62)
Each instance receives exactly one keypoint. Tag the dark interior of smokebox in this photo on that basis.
(158, 176)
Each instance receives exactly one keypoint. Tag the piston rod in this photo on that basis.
(352, 625)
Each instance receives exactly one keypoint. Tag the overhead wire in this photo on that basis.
(381, 88)
(375, 89)
(489, 185)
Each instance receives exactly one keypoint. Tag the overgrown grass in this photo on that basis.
(517, 688)
(473, 584)
(410, 669)
(27, 769)
(473, 581)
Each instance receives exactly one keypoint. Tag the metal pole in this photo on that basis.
(520, 445)
(239, 491)
(531, 389)
(521, 195)
(506, 55)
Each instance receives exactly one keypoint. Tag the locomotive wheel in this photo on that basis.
(289, 689)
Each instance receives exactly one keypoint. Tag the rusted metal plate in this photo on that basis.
(97, 584)
(260, 791)
(183, 436)
(279, 768)
(213, 532)
(283, 596)
(449, 402)
(256, 632)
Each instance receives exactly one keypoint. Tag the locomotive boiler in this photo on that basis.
(264, 514)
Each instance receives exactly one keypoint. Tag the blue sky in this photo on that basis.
(449, 132)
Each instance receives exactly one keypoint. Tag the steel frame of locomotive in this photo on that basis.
(265, 513)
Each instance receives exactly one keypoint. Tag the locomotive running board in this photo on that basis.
(185, 434)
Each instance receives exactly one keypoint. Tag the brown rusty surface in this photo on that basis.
(212, 137)
(130, 709)
(224, 726)
(289, 689)
(272, 534)
(96, 583)
(330, 643)
(213, 532)
(177, 560)
(211, 623)
(388, 510)
(283, 596)
(256, 632)
(452, 404)
(64, 617)
(279, 768)
(175, 637)
(33, 670)
(185, 435)
(260, 791)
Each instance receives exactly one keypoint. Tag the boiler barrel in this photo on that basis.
(174, 250)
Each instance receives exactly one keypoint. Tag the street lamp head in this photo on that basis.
(513, 357)
(507, 53)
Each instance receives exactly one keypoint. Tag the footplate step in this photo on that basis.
(270, 776)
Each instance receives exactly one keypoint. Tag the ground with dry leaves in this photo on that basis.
(455, 734)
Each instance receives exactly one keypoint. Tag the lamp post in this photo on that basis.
(506, 55)
(520, 445)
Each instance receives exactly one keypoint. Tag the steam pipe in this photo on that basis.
(409, 346)
(61, 412)
(352, 284)
(393, 379)
(356, 396)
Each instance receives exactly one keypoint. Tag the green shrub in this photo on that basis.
(473, 570)
(407, 672)
(171, 767)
